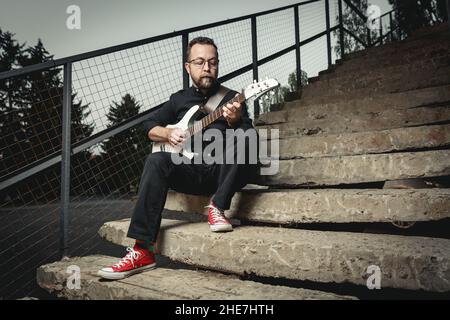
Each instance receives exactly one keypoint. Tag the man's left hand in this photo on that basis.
(232, 113)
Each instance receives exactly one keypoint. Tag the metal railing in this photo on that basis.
(94, 76)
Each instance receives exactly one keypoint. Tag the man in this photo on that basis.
(161, 173)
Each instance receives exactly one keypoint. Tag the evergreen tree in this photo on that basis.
(12, 134)
(122, 152)
(412, 15)
(358, 26)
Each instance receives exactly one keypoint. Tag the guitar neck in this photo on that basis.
(213, 116)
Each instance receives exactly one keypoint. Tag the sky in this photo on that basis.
(150, 73)
(110, 22)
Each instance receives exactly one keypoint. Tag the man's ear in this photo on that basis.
(187, 67)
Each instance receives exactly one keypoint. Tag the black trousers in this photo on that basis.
(160, 173)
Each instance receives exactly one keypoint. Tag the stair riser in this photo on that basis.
(357, 169)
(404, 262)
(326, 206)
(346, 123)
(376, 82)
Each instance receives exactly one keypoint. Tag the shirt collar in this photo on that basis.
(213, 90)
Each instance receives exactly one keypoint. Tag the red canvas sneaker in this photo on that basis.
(217, 220)
(137, 260)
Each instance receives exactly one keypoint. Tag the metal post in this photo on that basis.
(185, 42)
(369, 40)
(448, 12)
(341, 29)
(297, 48)
(327, 14)
(65, 163)
(390, 27)
(381, 32)
(255, 60)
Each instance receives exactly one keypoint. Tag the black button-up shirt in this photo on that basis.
(180, 102)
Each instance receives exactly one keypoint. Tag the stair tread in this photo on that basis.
(164, 283)
(323, 256)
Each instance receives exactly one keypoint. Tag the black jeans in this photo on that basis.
(160, 174)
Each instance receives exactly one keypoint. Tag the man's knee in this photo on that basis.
(156, 159)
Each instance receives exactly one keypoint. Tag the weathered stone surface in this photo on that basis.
(369, 121)
(346, 144)
(326, 205)
(163, 283)
(355, 106)
(404, 262)
(359, 169)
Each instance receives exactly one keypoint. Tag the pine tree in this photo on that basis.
(358, 26)
(13, 142)
(412, 15)
(123, 152)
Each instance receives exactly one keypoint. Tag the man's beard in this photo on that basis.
(205, 82)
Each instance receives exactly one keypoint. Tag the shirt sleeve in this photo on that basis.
(161, 117)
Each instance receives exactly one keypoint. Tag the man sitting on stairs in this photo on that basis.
(161, 173)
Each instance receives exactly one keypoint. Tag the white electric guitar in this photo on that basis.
(192, 127)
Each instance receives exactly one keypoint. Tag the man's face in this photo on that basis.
(203, 75)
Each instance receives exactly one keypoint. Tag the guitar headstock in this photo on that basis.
(257, 89)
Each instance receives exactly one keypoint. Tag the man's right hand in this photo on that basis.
(176, 136)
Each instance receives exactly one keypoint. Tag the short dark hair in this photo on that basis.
(200, 40)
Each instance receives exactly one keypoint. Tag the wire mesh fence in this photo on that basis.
(109, 90)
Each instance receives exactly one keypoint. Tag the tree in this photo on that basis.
(12, 135)
(34, 127)
(355, 24)
(124, 150)
(411, 15)
(281, 93)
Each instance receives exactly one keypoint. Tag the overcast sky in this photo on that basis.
(109, 22)
(150, 73)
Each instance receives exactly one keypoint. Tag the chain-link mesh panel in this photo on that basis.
(312, 61)
(148, 73)
(312, 19)
(275, 32)
(29, 228)
(239, 83)
(234, 42)
(30, 118)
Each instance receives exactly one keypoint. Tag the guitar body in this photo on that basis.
(190, 125)
(186, 122)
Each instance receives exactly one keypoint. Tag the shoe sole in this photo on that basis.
(123, 275)
(221, 228)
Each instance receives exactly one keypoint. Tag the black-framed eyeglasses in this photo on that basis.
(200, 63)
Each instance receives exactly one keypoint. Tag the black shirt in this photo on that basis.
(180, 102)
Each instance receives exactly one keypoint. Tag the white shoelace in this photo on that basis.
(218, 215)
(131, 256)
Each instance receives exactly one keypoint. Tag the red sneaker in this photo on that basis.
(137, 260)
(217, 220)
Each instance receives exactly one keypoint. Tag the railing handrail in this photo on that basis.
(95, 53)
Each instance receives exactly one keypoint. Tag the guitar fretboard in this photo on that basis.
(213, 116)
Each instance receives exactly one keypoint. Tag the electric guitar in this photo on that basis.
(192, 127)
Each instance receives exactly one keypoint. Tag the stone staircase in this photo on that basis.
(367, 145)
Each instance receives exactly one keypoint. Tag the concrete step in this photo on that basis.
(402, 100)
(436, 96)
(437, 55)
(369, 142)
(163, 284)
(325, 205)
(341, 257)
(407, 45)
(360, 122)
(389, 79)
(357, 169)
